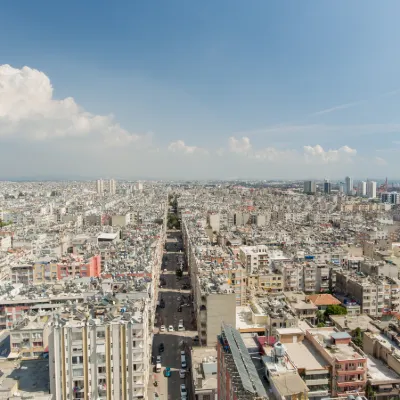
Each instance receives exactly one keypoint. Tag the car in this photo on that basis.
(182, 373)
(179, 309)
(161, 347)
(158, 360)
(170, 328)
(162, 328)
(165, 270)
(167, 372)
(183, 391)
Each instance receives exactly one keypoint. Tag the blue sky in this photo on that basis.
(263, 89)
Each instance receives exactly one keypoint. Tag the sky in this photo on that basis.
(200, 90)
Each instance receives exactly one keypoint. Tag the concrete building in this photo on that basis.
(237, 376)
(327, 187)
(368, 292)
(29, 338)
(112, 188)
(348, 185)
(215, 303)
(254, 258)
(100, 187)
(204, 373)
(104, 357)
(362, 189)
(390, 197)
(371, 189)
(310, 187)
(348, 364)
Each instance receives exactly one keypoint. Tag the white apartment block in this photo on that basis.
(98, 359)
(254, 258)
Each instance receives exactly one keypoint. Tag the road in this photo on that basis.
(174, 342)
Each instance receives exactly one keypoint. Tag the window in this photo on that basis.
(77, 360)
(101, 334)
(102, 370)
(77, 372)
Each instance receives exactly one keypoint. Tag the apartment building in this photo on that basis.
(29, 338)
(368, 291)
(254, 258)
(214, 302)
(237, 376)
(104, 357)
(348, 364)
(310, 365)
(265, 282)
(292, 274)
(50, 270)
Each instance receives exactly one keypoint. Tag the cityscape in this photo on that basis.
(200, 200)
(149, 289)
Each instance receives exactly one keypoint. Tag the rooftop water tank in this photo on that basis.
(279, 349)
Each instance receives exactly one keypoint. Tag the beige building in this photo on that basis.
(92, 358)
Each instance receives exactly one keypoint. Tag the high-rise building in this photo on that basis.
(390, 197)
(100, 187)
(112, 186)
(362, 189)
(98, 358)
(371, 189)
(310, 187)
(327, 187)
(348, 185)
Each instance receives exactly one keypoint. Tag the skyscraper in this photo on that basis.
(362, 188)
(371, 189)
(327, 186)
(348, 185)
(100, 187)
(310, 187)
(112, 188)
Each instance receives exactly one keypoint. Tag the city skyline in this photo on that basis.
(185, 102)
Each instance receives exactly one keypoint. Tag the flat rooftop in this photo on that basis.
(363, 321)
(243, 320)
(378, 371)
(202, 358)
(305, 355)
(341, 351)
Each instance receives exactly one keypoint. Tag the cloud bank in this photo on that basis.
(58, 136)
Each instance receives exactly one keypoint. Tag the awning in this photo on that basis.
(13, 355)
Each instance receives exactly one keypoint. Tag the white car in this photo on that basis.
(162, 328)
(182, 373)
(165, 270)
(183, 392)
(170, 328)
(158, 360)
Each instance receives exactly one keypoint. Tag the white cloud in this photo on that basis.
(180, 147)
(28, 111)
(380, 161)
(319, 155)
(241, 146)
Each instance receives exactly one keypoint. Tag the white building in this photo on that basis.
(91, 358)
(100, 186)
(349, 185)
(112, 186)
(362, 189)
(371, 189)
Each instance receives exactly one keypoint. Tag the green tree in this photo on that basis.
(335, 310)
(321, 325)
(357, 337)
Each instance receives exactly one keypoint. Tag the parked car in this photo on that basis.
(161, 347)
(182, 373)
(170, 328)
(167, 372)
(162, 328)
(183, 392)
(179, 309)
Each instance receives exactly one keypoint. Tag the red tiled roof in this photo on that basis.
(323, 299)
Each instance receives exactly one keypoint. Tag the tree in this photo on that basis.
(357, 337)
(335, 310)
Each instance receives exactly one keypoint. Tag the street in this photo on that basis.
(174, 298)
